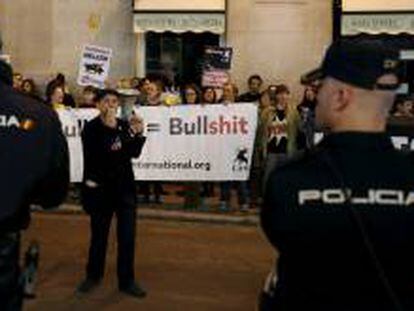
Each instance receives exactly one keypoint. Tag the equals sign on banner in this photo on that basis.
(153, 127)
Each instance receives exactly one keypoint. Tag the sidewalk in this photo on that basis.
(173, 213)
(172, 208)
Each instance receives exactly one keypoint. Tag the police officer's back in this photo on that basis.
(33, 169)
(342, 216)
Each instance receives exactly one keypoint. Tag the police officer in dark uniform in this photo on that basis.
(109, 144)
(33, 169)
(342, 215)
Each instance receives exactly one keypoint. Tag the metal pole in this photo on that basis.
(337, 18)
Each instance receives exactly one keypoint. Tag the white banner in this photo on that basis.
(73, 121)
(194, 142)
(94, 66)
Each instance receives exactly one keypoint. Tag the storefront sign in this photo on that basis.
(179, 23)
(353, 24)
(194, 142)
(94, 66)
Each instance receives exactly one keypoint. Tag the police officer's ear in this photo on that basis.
(343, 97)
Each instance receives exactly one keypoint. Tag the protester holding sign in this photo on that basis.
(108, 187)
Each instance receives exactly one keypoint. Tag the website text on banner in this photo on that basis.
(184, 143)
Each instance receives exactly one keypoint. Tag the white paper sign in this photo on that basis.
(94, 66)
(189, 142)
(215, 78)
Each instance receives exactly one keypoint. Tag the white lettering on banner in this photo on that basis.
(188, 142)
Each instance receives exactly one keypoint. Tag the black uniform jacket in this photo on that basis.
(324, 263)
(107, 162)
(34, 164)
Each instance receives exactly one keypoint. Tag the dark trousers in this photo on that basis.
(125, 229)
(11, 291)
(242, 191)
(145, 189)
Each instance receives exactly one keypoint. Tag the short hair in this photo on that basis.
(282, 88)
(105, 92)
(255, 77)
(90, 89)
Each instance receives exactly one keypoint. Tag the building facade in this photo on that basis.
(278, 39)
(378, 20)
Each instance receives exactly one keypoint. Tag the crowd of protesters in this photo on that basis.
(284, 126)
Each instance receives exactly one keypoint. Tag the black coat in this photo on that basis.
(324, 262)
(107, 162)
(34, 161)
(34, 168)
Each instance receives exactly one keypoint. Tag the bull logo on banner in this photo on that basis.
(241, 161)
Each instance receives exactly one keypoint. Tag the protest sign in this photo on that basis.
(94, 66)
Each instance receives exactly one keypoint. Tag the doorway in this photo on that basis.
(177, 58)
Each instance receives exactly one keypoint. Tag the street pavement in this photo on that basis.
(184, 265)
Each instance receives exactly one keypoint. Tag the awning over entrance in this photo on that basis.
(180, 16)
(179, 22)
(371, 23)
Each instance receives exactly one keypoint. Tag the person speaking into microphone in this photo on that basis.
(109, 144)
